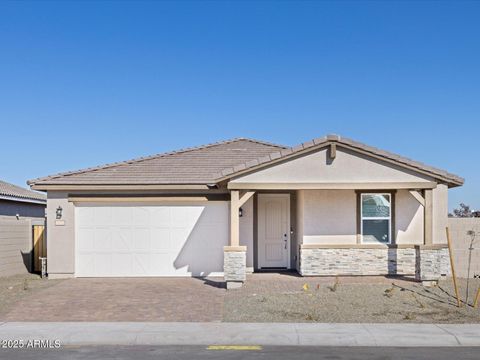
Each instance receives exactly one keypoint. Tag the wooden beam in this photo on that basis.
(452, 265)
(245, 196)
(475, 302)
(428, 217)
(416, 194)
(332, 186)
(333, 151)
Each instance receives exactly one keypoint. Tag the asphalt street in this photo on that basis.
(264, 353)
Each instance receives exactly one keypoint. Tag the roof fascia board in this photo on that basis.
(73, 187)
(19, 199)
(333, 186)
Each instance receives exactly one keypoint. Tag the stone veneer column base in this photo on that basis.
(432, 263)
(425, 263)
(234, 266)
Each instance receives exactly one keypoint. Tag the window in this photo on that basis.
(376, 216)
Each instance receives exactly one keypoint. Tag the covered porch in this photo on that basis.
(334, 229)
(348, 210)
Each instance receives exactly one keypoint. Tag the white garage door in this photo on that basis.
(150, 240)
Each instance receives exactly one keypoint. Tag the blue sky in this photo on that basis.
(86, 83)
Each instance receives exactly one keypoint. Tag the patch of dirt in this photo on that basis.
(397, 302)
(16, 288)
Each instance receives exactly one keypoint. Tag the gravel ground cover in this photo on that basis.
(15, 288)
(348, 300)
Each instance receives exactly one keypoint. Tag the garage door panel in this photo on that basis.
(102, 238)
(150, 240)
(103, 263)
(102, 216)
(161, 263)
(85, 216)
(185, 216)
(141, 239)
(141, 216)
(121, 264)
(161, 239)
(85, 238)
(161, 216)
(122, 216)
(141, 264)
(123, 238)
(85, 262)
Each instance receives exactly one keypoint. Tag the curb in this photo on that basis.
(269, 334)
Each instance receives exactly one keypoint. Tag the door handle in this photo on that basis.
(285, 239)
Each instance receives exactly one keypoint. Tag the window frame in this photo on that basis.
(391, 218)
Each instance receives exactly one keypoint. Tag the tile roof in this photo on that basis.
(8, 190)
(197, 165)
(209, 164)
(326, 140)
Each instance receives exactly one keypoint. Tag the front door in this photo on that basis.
(273, 231)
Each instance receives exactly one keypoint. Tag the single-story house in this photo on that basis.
(20, 209)
(330, 206)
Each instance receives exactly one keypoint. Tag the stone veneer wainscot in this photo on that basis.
(426, 264)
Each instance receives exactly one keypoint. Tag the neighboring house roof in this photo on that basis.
(197, 165)
(210, 164)
(16, 193)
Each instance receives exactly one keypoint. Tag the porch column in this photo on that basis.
(432, 259)
(428, 217)
(234, 218)
(235, 256)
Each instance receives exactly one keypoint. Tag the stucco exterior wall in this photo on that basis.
(60, 238)
(347, 167)
(246, 231)
(409, 216)
(461, 241)
(440, 214)
(329, 217)
(23, 209)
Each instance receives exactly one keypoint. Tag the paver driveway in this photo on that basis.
(123, 299)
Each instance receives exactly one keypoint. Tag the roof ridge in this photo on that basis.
(318, 142)
(148, 157)
(261, 142)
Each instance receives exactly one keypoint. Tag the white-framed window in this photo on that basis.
(376, 218)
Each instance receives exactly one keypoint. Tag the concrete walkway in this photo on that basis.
(273, 334)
